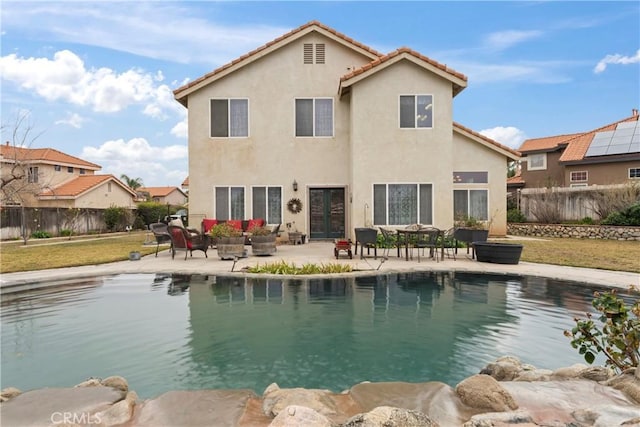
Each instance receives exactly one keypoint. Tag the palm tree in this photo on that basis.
(133, 183)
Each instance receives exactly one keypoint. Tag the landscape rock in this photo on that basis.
(386, 416)
(91, 382)
(9, 393)
(484, 392)
(295, 416)
(319, 400)
(491, 419)
(628, 383)
(504, 369)
(118, 413)
(116, 382)
(534, 375)
(569, 372)
(597, 373)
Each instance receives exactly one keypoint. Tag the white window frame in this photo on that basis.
(582, 184)
(634, 173)
(267, 218)
(420, 220)
(229, 124)
(416, 116)
(470, 211)
(32, 174)
(313, 114)
(229, 207)
(571, 176)
(542, 156)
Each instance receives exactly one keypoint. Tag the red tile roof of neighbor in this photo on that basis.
(159, 191)
(185, 183)
(80, 185)
(576, 144)
(44, 155)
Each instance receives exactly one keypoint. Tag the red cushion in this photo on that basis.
(235, 223)
(253, 223)
(208, 223)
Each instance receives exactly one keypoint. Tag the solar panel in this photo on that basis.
(623, 140)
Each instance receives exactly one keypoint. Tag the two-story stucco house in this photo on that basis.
(359, 138)
(46, 177)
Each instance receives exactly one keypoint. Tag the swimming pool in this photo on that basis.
(170, 332)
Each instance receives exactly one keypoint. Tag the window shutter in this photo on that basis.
(320, 53)
(308, 53)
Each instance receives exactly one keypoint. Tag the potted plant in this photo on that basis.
(469, 229)
(263, 241)
(228, 240)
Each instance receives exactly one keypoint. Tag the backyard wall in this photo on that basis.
(607, 232)
(51, 220)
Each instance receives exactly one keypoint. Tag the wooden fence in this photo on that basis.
(17, 221)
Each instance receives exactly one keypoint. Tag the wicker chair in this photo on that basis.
(187, 241)
(160, 233)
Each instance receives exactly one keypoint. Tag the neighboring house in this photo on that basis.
(607, 155)
(357, 137)
(171, 195)
(50, 178)
(185, 185)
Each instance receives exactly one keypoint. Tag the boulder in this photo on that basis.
(386, 416)
(275, 400)
(9, 393)
(492, 419)
(503, 369)
(570, 372)
(116, 382)
(91, 382)
(628, 383)
(294, 416)
(118, 413)
(484, 392)
(597, 373)
(534, 375)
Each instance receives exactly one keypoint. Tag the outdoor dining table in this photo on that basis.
(406, 234)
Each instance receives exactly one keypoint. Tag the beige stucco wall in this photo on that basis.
(470, 156)
(271, 155)
(98, 198)
(174, 198)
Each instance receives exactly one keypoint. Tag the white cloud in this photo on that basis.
(546, 72)
(73, 120)
(157, 166)
(180, 130)
(616, 59)
(509, 136)
(505, 39)
(65, 78)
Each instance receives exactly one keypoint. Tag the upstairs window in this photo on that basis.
(634, 173)
(579, 176)
(229, 118)
(32, 175)
(70, 169)
(308, 50)
(82, 171)
(537, 161)
(314, 117)
(57, 168)
(416, 111)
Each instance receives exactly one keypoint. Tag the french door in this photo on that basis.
(327, 213)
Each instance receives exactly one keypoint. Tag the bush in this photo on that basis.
(515, 215)
(138, 223)
(66, 233)
(152, 212)
(618, 338)
(587, 220)
(113, 217)
(628, 216)
(41, 234)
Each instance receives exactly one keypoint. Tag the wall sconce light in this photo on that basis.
(295, 185)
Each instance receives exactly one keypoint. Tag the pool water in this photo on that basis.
(170, 332)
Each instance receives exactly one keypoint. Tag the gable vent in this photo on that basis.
(320, 53)
(308, 53)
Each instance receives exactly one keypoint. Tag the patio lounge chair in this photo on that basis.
(185, 240)
(160, 233)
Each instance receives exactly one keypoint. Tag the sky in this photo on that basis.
(96, 79)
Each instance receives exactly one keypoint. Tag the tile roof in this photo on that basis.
(490, 141)
(396, 53)
(177, 92)
(515, 180)
(159, 191)
(44, 155)
(548, 143)
(185, 183)
(577, 147)
(80, 185)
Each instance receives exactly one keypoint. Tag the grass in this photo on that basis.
(41, 254)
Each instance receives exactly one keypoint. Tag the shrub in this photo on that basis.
(515, 215)
(224, 230)
(618, 336)
(113, 217)
(587, 220)
(66, 232)
(152, 212)
(259, 231)
(40, 234)
(628, 216)
(282, 267)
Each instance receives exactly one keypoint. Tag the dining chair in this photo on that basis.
(427, 238)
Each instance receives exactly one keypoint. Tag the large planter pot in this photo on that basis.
(231, 247)
(263, 245)
(470, 235)
(498, 253)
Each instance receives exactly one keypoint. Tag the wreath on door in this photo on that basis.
(294, 205)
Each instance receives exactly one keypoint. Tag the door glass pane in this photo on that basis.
(237, 203)
(380, 204)
(460, 204)
(259, 202)
(275, 205)
(304, 117)
(479, 205)
(426, 204)
(219, 118)
(316, 205)
(337, 213)
(222, 202)
(403, 204)
(407, 112)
